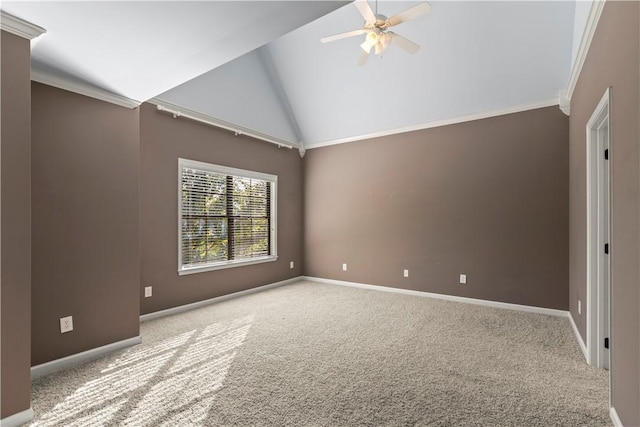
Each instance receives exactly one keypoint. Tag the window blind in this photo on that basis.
(226, 215)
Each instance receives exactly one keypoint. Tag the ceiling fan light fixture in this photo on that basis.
(383, 40)
(366, 47)
(370, 40)
(376, 26)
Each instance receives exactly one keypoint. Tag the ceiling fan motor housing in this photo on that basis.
(381, 22)
(375, 29)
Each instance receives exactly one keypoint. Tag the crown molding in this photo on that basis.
(179, 111)
(564, 103)
(585, 44)
(82, 89)
(460, 119)
(19, 27)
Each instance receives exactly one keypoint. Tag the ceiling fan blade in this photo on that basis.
(409, 14)
(364, 56)
(342, 35)
(365, 11)
(404, 43)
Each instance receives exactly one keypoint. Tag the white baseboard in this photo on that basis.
(495, 304)
(18, 419)
(74, 359)
(614, 417)
(198, 304)
(583, 346)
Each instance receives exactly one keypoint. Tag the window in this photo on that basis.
(227, 217)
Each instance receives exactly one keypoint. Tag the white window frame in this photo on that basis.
(209, 167)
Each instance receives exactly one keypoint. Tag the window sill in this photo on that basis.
(228, 264)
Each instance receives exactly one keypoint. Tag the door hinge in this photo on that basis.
(606, 343)
(606, 154)
(606, 248)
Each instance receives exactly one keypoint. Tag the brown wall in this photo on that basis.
(16, 223)
(163, 140)
(85, 165)
(612, 61)
(487, 198)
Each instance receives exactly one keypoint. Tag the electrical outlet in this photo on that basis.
(148, 291)
(344, 267)
(579, 307)
(406, 273)
(66, 324)
(463, 279)
(291, 264)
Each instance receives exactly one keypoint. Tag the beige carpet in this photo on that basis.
(311, 354)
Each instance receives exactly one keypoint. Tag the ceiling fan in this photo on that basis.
(376, 28)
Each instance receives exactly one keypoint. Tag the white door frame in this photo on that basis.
(598, 233)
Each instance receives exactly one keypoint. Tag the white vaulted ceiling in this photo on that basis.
(139, 49)
(475, 56)
(260, 65)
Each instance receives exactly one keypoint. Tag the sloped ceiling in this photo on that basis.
(261, 66)
(476, 56)
(139, 49)
(245, 92)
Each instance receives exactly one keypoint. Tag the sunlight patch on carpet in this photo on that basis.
(176, 379)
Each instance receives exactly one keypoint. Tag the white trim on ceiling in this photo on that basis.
(19, 27)
(564, 103)
(178, 111)
(82, 89)
(461, 119)
(583, 50)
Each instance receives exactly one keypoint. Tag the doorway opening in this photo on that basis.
(599, 236)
